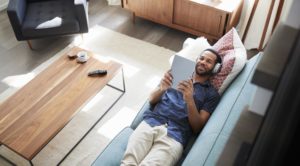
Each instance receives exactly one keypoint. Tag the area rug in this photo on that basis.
(143, 63)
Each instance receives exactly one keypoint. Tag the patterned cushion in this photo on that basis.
(234, 57)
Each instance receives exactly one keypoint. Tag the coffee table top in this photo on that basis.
(31, 117)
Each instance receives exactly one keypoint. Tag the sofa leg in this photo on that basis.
(133, 17)
(81, 36)
(29, 44)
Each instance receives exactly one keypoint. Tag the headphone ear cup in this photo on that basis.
(216, 68)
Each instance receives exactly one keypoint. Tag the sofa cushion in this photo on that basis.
(114, 151)
(193, 48)
(234, 57)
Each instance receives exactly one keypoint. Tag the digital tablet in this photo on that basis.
(182, 69)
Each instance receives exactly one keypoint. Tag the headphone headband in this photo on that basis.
(219, 59)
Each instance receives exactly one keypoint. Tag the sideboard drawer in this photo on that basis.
(199, 17)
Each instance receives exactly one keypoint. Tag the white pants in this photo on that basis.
(150, 146)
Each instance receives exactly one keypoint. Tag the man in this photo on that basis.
(177, 114)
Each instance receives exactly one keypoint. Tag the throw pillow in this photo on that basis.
(55, 22)
(234, 57)
(192, 48)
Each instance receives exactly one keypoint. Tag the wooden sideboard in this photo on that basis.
(209, 18)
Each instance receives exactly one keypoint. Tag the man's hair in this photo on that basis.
(219, 59)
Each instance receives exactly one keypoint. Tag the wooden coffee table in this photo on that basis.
(32, 116)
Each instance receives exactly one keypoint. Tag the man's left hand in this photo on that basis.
(187, 89)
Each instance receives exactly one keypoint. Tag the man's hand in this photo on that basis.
(166, 81)
(187, 89)
(197, 119)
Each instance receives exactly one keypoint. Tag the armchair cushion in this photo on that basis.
(32, 19)
(40, 19)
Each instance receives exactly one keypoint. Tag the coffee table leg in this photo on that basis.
(122, 93)
(6, 160)
(118, 89)
(10, 162)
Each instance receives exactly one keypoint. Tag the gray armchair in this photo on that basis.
(32, 19)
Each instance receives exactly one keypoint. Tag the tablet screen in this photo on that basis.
(182, 69)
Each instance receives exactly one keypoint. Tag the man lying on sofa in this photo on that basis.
(164, 132)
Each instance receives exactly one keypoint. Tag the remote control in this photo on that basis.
(97, 73)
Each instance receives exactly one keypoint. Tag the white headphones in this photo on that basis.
(217, 68)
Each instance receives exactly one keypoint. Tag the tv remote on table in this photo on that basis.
(97, 73)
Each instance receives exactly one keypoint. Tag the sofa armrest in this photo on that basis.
(16, 12)
(114, 151)
(139, 117)
(81, 10)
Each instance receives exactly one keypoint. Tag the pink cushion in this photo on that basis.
(234, 57)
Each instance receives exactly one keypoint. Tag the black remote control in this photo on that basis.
(97, 73)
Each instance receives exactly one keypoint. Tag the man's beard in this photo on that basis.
(203, 73)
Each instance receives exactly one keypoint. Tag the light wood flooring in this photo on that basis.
(16, 58)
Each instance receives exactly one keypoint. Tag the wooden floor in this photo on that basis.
(17, 59)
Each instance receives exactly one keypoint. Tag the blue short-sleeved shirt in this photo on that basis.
(172, 110)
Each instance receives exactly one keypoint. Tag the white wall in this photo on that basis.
(259, 19)
(258, 22)
(3, 4)
(290, 13)
(286, 7)
(260, 100)
(244, 16)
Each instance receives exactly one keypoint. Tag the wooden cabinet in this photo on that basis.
(199, 17)
(156, 10)
(209, 18)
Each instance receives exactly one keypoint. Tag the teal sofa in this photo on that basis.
(205, 148)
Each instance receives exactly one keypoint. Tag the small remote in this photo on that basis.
(97, 73)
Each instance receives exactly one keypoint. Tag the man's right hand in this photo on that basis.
(166, 81)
